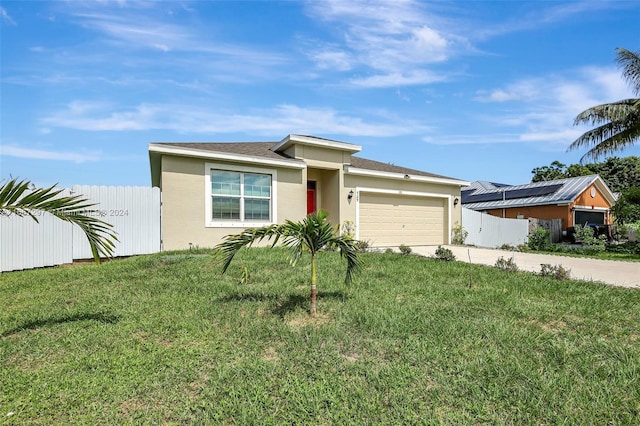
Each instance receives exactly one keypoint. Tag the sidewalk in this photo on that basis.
(613, 272)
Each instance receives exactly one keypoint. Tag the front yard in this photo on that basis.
(167, 339)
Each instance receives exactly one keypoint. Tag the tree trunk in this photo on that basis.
(313, 285)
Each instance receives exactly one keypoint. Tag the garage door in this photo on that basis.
(391, 220)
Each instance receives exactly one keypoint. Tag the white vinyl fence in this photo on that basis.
(490, 231)
(134, 213)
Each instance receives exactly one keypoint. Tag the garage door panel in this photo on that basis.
(391, 220)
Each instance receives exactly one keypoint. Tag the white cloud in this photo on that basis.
(40, 154)
(394, 42)
(543, 109)
(281, 119)
(5, 16)
(397, 79)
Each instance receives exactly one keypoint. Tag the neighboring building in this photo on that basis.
(578, 200)
(210, 190)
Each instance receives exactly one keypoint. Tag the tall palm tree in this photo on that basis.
(16, 198)
(311, 234)
(619, 122)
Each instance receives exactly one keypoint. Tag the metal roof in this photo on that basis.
(558, 191)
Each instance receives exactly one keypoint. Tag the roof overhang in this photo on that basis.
(313, 141)
(488, 206)
(159, 149)
(401, 176)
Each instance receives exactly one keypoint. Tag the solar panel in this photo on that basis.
(513, 194)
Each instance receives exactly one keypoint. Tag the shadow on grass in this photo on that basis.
(32, 325)
(284, 305)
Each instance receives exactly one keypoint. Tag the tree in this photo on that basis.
(618, 173)
(16, 198)
(311, 234)
(618, 122)
(556, 170)
(627, 207)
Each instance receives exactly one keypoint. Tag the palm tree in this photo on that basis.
(619, 122)
(16, 198)
(313, 233)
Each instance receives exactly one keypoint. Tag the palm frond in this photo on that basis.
(349, 250)
(233, 243)
(17, 199)
(615, 111)
(619, 122)
(630, 63)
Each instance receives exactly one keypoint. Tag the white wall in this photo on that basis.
(491, 231)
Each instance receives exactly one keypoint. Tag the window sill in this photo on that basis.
(237, 224)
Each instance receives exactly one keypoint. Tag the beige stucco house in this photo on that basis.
(210, 190)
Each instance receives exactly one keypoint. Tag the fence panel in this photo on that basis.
(134, 212)
(26, 244)
(491, 231)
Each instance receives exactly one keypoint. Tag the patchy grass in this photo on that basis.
(167, 339)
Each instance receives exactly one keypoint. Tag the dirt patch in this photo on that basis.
(303, 320)
(352, 357)
(270, 354)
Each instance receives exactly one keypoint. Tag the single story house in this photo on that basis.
(577, 201)
(211, 190)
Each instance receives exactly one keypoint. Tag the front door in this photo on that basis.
(311, 197)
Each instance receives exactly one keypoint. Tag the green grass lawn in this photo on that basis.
(168, 340)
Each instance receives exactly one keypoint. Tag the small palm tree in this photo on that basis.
(16, 198)
(619, 121)
(313, 233)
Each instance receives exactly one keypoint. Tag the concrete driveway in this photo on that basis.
(613, 272)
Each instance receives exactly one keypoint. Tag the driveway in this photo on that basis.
(613, 272)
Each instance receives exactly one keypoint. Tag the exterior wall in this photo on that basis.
(584, 201)
(538, 212)
(184, 184)
(322, 157)
(184, 197)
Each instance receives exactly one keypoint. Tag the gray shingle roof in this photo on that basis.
(566, 191)
(363, 163)
(263, 149)
(254, 149)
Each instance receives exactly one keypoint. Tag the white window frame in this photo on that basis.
(238, 223)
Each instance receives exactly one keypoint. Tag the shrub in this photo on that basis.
(388, 250)
(508, 265)
(443, 253)
(363, 245)
(508, 247)
(458, 234)
(625, 248)
(539, 239)
(586, 236)
(558, 272)
(404, 249)
(348, 228)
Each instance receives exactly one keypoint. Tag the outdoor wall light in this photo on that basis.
(456, 201)
(350, 195)
(407, 177)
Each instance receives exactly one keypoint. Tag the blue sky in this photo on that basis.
(473, 90)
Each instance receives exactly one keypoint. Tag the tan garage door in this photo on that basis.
(391, 220)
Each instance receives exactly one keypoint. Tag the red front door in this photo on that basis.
(311, 197)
